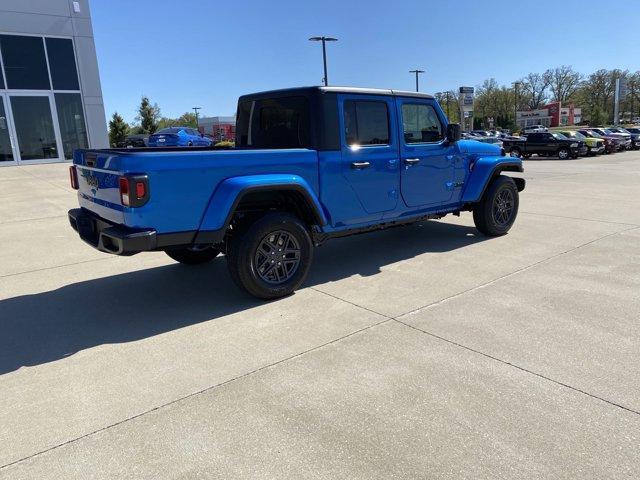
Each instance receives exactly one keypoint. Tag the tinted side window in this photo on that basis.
(534, 137)
(420, 124)
(274, 123)
(24, 62)
(366, 122)
(62, 63)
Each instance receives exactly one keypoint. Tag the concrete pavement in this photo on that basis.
(421, 352)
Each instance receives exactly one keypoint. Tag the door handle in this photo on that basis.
(411, 161)
(360, 165)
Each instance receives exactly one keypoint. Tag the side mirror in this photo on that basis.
(453, 132)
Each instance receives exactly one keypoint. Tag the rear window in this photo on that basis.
(273, 123)
(169, 130)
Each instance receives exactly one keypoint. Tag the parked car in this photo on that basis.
(178, 137)
(545, 144)
(625, 139)
(595, 146)
(535, 129)
(323, 162)
(634, 136)
(611, 144)
(135, 141)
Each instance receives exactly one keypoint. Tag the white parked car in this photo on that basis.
(535, 129)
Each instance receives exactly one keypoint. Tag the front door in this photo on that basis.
(36, 137)
(7, 154)
(427, 160)
(370, 152)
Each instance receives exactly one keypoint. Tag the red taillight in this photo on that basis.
(73, 177)
(141, 190)
(124, 191)
(134, 190)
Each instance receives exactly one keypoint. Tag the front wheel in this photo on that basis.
(563, 153)
(271, 257)
(193, 255)
(498, 208)
(515, 152)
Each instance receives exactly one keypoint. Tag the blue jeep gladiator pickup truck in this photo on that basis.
(309, 164)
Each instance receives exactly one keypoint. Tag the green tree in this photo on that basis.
(118, 130)
(187, 119)
(598, 117)
(148, 115)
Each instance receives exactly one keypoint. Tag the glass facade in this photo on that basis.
(41, 109)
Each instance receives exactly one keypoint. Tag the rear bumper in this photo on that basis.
(110, 238)
(120, 240)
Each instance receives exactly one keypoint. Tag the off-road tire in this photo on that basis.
(246, 252)
(192, 255)
(489, 214)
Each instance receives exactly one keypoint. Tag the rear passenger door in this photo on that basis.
(370, 151)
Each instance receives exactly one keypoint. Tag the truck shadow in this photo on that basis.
(48, 326)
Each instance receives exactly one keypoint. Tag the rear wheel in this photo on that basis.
(515, 152)
(270, 258)
(193, 255)
(498, 208)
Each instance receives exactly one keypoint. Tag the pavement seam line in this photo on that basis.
(56, 266)
(577, 218)
(515, 272)
(505, 362)
(47, 181)
(199, 392)
(36, 219)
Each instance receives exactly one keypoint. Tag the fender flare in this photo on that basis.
(484, 169)
(230, 192)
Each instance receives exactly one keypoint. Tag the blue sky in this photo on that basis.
(206, 53)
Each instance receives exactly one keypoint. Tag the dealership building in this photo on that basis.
(50, 94)
(551, 115)
(221, 128)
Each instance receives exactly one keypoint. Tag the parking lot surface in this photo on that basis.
(425, 351)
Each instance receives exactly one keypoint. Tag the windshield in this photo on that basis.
(595, 134)
(633, 130)
(559, 136)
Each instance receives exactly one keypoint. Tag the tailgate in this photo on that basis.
(98, 190)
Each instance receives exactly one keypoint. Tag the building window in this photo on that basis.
(421, 124)
(366, 122)
(34, 127)
(62, 64)
(25, 64)
(72, 125)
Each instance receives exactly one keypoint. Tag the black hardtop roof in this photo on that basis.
(318, 89)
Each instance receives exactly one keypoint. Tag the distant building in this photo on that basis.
(222, 128)
(551, 115)
(50, 94)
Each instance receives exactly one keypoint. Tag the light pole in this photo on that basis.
(195, 109)
(516, 99)
(417, 72)
(324, 40)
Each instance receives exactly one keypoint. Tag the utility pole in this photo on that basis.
(516, 85)
(616, 105)
(195, 109)
(446, 95)
(324, 40)
(417, 72)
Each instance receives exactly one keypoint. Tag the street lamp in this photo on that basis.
(417, 72)
(324, 39)
(195, 109)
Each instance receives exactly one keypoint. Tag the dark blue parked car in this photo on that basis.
(178, 137)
